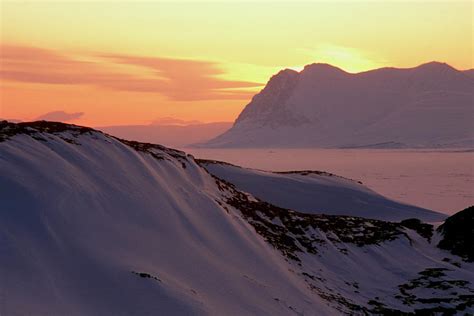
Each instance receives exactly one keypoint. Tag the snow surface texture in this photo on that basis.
(431, 105)
(317, 192)
(94, 225)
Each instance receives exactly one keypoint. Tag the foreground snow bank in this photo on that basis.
(94, 225)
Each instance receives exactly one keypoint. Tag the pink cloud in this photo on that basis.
(60, 116)
(178, 79)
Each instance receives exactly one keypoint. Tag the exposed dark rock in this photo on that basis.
(424, 230)
(38, 130)
(294, 232)
(157, 151)
(458, 234)
(35, 129)
(204, 162)
(146, 276)
(316, 172)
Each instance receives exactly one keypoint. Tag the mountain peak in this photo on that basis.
(283, 79)
(322, 68)
(435, 66)
(285, 74)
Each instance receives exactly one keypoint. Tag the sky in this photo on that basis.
(101, 63)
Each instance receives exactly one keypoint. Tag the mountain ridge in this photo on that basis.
(427, 106)
(169, 135)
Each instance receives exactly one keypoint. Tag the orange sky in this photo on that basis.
(109, 63)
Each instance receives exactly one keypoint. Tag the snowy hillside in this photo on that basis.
(95, 225)
(317, 192)
(431, 105)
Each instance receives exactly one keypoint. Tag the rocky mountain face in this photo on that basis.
(431, 105)
(96, 225)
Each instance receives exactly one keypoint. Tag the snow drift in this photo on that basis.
(94, 225)
(317, 192)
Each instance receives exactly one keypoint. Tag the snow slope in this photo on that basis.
(317, 192)
(431, 105)
(95, 225)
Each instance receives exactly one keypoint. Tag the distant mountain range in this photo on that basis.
(174, 135)
(431, 105)
(91, 224)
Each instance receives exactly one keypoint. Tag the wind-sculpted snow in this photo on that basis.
(78, 219)
(95, 225)
(317, 192)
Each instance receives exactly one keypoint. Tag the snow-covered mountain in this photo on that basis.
(469, 72)
(317, 192)
(431, 105)
(95, 225)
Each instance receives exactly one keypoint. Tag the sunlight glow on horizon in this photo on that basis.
(128, 63)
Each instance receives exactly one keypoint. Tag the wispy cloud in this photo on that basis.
(187, 79)
(178, 79)
(174, 121)
(60, 116)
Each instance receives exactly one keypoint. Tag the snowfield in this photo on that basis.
(95, 225)
(317, 192)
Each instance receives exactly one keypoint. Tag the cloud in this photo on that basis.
(60, 116)
(177, 79)
(174, 121)
(37, 65)
(187, 79)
